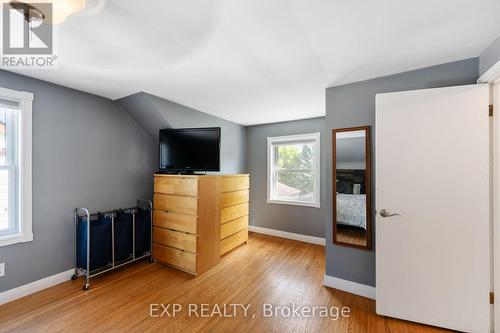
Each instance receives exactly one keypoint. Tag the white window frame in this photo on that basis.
(24, 197)
(272, 197)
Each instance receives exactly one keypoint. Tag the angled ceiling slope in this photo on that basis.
(144, 112)
(153, 113)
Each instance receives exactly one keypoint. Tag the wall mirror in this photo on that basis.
(351, 187)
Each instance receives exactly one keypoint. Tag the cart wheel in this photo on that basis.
(86, 287)
(74, 277)
(151, 260)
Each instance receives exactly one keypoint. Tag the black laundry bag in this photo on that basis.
(100, 242)
(142, 231)
(123, 235)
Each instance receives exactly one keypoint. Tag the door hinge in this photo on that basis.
(492, 298)
(490, 111)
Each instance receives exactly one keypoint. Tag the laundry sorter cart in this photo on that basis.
(108, 240)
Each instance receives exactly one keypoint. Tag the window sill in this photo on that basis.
(17, 238)
(294, 203)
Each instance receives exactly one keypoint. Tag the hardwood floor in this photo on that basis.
(267, 270)
(351, 235)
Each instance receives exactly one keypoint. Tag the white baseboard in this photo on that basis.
(349, 286)
(289, 235)
(35, 286)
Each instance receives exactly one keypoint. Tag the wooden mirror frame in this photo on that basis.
(368, 189)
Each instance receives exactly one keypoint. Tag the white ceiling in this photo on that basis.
(260, 61)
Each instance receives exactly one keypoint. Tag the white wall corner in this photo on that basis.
(33, 287)
(349, 286)
(288, 235)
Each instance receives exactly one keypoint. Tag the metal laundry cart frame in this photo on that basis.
(84, 212)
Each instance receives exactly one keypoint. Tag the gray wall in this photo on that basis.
(153, 113)
(87, 152)
(354, 105)
(489, 57)
(297, 219)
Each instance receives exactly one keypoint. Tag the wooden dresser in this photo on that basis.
(186, 221)
(234, 211)
(196, 219)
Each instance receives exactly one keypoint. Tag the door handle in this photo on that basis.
(385, 213)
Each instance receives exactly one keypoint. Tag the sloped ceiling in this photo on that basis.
(261, 61)
(146, 114)
(350, 151)
(153, 113)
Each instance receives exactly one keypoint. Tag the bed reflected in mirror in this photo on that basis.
(351, 187)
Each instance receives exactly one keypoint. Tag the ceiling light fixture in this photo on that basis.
(61, 9)
(31, 14)
(64, 8)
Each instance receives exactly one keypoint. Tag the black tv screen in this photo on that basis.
(190, 149)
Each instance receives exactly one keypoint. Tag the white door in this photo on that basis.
(496, 196)
(432, 168)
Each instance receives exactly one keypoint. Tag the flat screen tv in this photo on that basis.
(187, 150)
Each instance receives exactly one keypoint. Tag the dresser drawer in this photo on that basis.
(230, 184)
(232, 227)
(234, 198)
(231, 213)
(179, 240)
(176, 185)
(176, 221)
(242, 183)
(178, 258)
(176, 204)
(233, 241)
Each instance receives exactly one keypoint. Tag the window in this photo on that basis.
(15, 167)
(293, 170)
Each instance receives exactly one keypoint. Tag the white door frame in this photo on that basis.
(492, 77)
